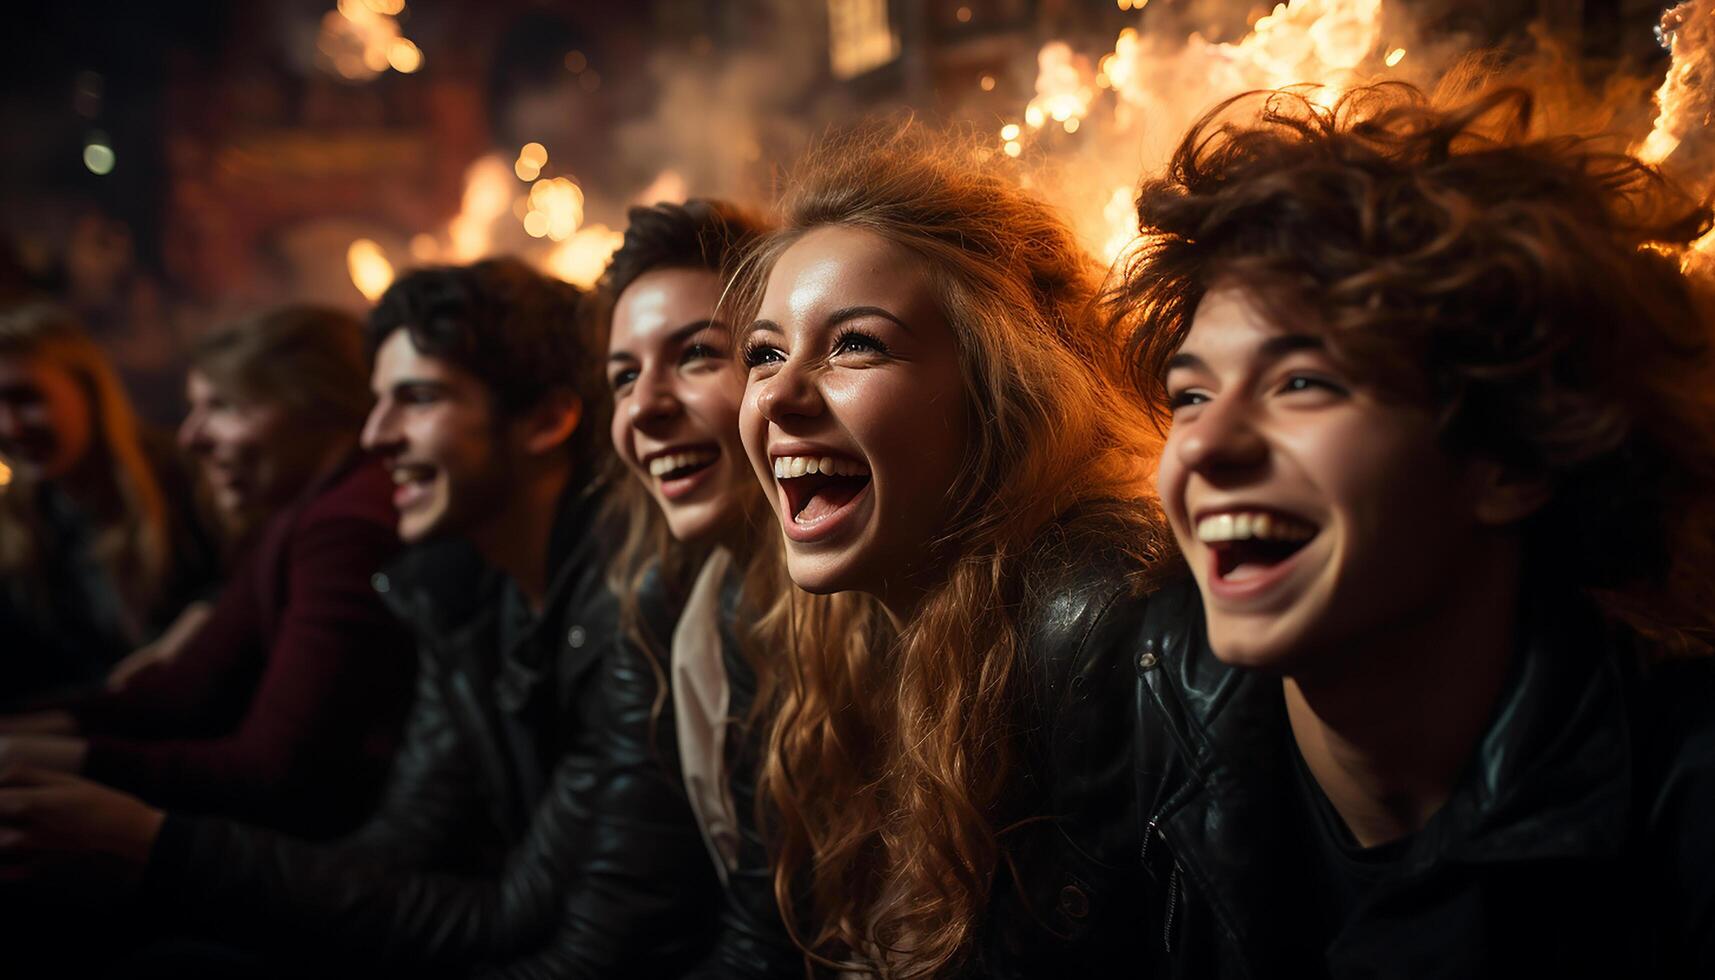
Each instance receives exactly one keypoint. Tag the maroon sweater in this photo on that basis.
(285, 708)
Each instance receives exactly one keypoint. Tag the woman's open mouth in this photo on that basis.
(818, 492)
(681, 471)
(1251, 549)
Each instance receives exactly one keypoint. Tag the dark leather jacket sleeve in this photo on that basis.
(1070, 909)
(640, 883)
(607, 880)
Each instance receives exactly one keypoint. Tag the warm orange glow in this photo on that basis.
(487, 196)
(5, 474)
(1161, 80)
(1395, 56)
(986, 83)
(360, 39)
(370, 271)
(561, 205)
(667, 187)
(581, 259)
(1009, 132)
(404, 56)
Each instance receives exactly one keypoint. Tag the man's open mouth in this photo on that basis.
(1248, 543)
(412, 483)
(818, 487)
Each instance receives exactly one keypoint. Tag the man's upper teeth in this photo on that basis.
(662, 465)
(1249, 525)
(788, 467)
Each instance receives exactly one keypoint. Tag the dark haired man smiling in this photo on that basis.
(531, 823)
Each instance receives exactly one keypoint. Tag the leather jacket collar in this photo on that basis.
(1551, 777)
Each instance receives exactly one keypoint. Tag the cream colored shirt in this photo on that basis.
(701, 701)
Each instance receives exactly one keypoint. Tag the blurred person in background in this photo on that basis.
(100, 547)
(283, 703)
(532, 824)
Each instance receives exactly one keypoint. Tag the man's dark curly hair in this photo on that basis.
(518, 331)
(1526, 289)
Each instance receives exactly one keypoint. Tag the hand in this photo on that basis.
(167, 646)
(59, 753)
(69, 833)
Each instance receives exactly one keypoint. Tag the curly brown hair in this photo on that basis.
(1525, 287)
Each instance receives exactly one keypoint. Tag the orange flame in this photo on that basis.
(1161, 83)
(581, 259)
(370, 271)
(1682, 141)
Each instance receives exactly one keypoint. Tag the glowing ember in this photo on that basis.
(360, 39)
(561, 206)
(1065, 86)
(5, 474)
(1682, 142)
(487, 196)
(1162, 80)
(370, 271)
(581, 259)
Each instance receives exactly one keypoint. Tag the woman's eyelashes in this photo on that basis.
(760, 352)
(852, 341)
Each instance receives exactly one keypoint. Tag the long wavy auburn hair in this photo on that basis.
(133, 538)
(891, 774)
(1525, 285)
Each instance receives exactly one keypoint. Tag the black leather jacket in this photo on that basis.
(1072, 907)
(751, 940)
(1577, 843)
(532, 827)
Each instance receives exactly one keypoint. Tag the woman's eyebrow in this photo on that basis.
(843, 314)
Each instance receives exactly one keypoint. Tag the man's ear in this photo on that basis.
(552, 422)
(1505, 494)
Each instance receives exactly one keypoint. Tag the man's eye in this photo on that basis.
(758, 354)
(1310, 382)
(1181, 399)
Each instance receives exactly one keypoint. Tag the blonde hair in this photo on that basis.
(133, 537)
(891, 759)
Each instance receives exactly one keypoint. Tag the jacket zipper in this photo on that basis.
(1172, 906)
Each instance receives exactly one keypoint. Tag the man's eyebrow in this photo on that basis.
(1272, 349)
(1181, 361)
(402, 383)
(1280, 345)
(843, 314)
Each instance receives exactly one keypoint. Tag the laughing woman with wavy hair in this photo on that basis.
(962, 492)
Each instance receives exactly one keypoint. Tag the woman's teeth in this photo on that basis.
(790, 467)
(663, 465)
(1252, 526)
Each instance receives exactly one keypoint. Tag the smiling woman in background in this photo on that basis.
(283, 707)
(99, 545)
